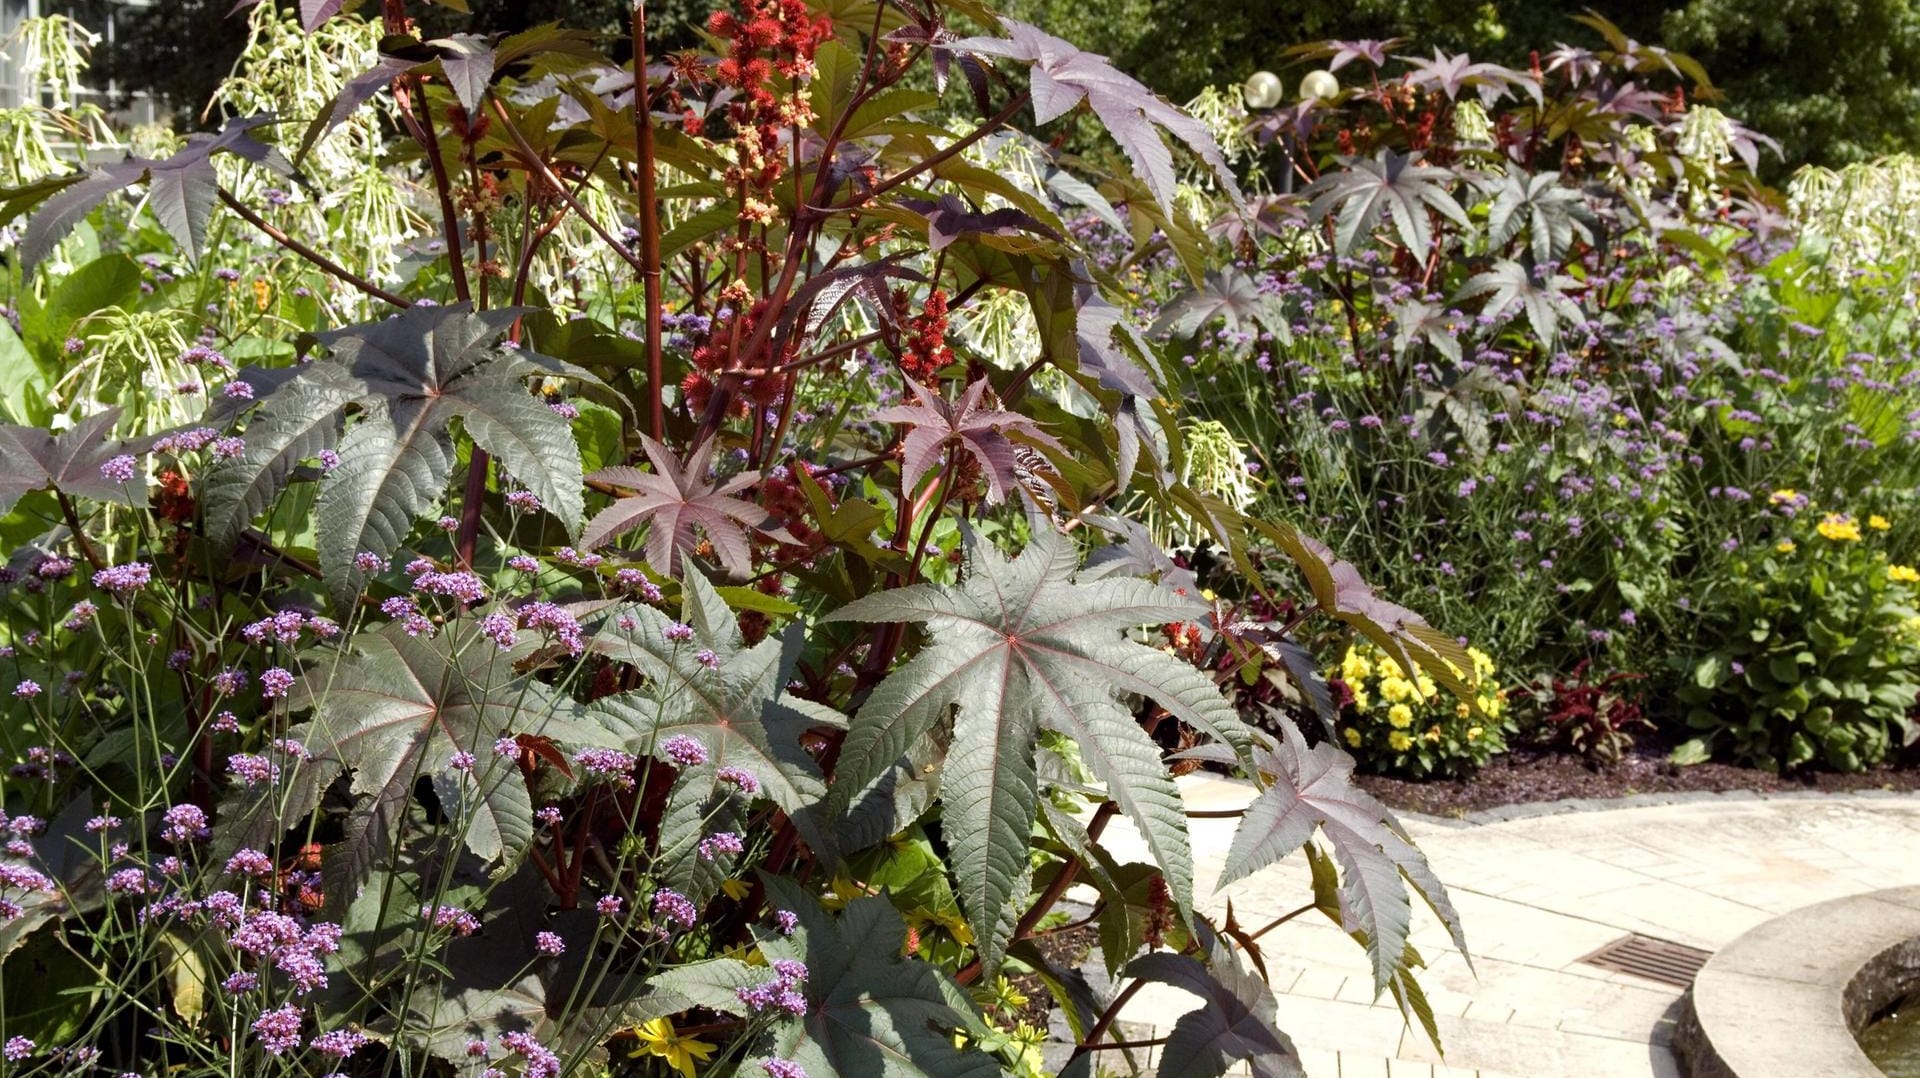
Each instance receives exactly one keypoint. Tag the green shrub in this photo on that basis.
(1809, 651)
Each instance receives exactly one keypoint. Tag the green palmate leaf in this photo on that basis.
(400, 706)
(737, 707)
(1234, 1025)
(872, 1013)
(1231, 296)
(1312, 789)
(1020, 646)
(405, 379)
(1542, 295)
(1553, 214)
(1392, 184)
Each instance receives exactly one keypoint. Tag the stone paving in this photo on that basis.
(1537, 893)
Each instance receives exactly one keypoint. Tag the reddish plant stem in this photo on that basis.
(531, 159)
(1283, 919)
(1068, 872)
(649, 223)
(79, 535)
(322, 262)
(1106, 1019)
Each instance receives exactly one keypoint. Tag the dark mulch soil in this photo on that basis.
(1528, 775)
(1065, 949)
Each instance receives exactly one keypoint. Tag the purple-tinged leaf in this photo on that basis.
(467, 62)
(1235, 1025)
(356, 92)
(672, 501)
(1062, 76)
(1312, 789)
(315, 12)
(32, 458)
(951, 218)
(1020, 646)
(974, 424)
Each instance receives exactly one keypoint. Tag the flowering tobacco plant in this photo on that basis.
(537, 678)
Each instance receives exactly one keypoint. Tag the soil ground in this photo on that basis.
(1528, 775)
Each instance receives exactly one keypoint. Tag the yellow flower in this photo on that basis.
(1353, 737)
(1473, 733)
(1839, 528)
(1428, 690)
(1354, 667)
(1400, 715)
(1398, 741)
(1482, 662)
(1903, 574)
(1389, 669)
(1879, 523)
(1433, 733)
(262, 292)
(1784, 546)
(1783, 496)
(1395, 689)
(659, 1038)
(736, 889)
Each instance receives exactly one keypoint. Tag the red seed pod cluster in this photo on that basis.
(926, 351)
(728, 332)
(765, 38)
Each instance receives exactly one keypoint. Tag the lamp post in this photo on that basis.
(1263, 90)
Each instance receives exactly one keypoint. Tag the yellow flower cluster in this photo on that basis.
(1401, 708)
(1839, 528)
(1903, 574)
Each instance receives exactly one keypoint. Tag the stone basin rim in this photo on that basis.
(1790, 995)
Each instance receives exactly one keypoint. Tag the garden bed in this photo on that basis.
(1526, 776)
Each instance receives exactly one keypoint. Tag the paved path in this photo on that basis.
(1536, 895)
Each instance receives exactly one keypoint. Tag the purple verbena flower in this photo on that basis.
(119, 469)
(278, 1030)
(684, 751)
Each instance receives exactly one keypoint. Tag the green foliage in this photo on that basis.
(1021, 646)
(543, 794)
(409, 378)
(1806, 653)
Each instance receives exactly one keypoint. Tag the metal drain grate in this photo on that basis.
(1656, 960)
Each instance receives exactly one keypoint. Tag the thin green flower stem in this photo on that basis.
(327, 265)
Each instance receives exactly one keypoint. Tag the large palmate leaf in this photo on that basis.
(673, 500)
(181, 189)
(1449, 75)
(1063, 76)
(407, 378)
(1021, 646)
(1234, 1025)
(1231, 296)
(975, 424)
(32, 458)
(1312, 789)
(1543, 296)
(399, 707)
(1552, 214)
(737, 706)
(1390, 183)
(951, 218)
(872, 1013)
